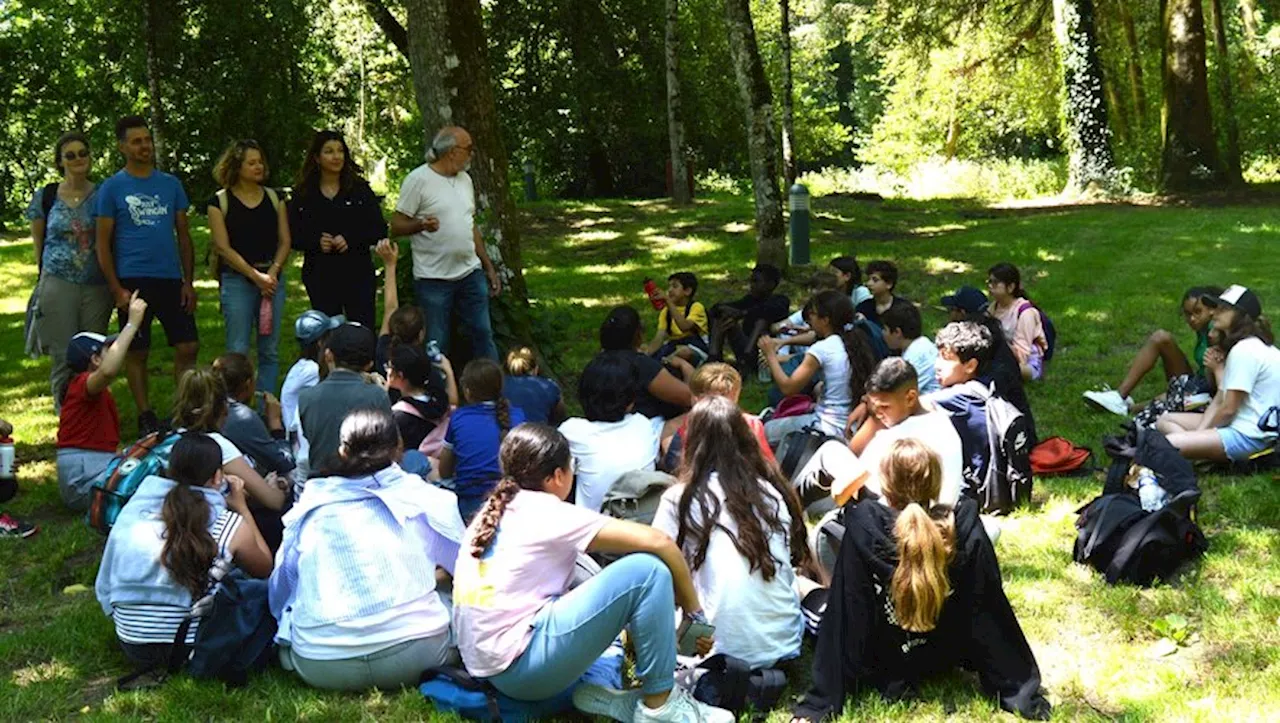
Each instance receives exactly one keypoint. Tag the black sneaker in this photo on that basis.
(147, 423)
(10, 527)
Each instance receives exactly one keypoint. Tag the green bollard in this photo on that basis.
(799, 225)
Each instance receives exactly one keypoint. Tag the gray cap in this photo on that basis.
(314, 324)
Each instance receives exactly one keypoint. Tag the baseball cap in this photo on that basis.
(966, 298)
(1239, 297)
(82, 348)
(353, 345)
(313, 324)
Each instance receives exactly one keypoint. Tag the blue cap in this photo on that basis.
(82, 348)
(967, 299)
(314, 324)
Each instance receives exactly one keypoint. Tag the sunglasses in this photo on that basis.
(72, 155)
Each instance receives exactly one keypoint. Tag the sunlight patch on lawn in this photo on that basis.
(581, 237)
(1097, 316)
(935, 265)
(1047, 255)
(43, 672)
(589, 222)
(736, 227)
(939, 229)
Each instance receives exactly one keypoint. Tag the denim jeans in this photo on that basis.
(571, 632)
(391, 668)
(77, 470)
(470, 297)
(240, 301)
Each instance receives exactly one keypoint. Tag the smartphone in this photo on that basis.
(689, 633)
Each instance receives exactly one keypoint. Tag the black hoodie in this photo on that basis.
(860, 645)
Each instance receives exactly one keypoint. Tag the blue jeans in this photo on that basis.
(470, 296)
(78, 469)
(571, 632)
(240, 300)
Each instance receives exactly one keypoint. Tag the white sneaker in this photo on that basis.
(595, 699)
(1196, 401)
(682, 708)
(1109, 400)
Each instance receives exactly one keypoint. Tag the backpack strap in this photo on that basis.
(272, 196)
(765, 687)
(223, 203)
(48, 197)
(404, 406)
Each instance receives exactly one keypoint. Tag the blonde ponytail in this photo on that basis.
(925, 535)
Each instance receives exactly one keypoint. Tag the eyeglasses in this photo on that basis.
(72, 155)
(468, 149)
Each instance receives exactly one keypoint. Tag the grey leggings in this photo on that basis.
(390, 668)
(66, 309)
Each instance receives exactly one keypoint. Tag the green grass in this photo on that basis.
(1108, 275)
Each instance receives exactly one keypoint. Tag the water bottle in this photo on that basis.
(1150, 493)
(655, 294)
(8, 482)
(266, 315)
(763, 373)
(433, 352)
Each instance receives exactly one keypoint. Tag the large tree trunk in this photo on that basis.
(451, 81)
(1090, 165)
(757, 101)
(1189, 157)
(155, 100)
(675, 113)
(1137, 87)
(842, 56)
(788, 111)
(1226, 96)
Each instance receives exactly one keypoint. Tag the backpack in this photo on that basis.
(117, 483)
(1060, 456)
(1050, 331)
(1128, 544)
(635, 496)
(34, 346)
(1008, 479)
(434, 441)
(453, 690)
(211, 256)
(727, 682)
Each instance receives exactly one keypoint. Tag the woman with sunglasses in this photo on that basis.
(71, 291)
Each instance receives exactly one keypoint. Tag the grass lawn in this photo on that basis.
(1108, 276)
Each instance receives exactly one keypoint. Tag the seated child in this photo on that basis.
(470, 453)
(312, 331)
(740, 526)
(916, 592)
(10, 526)
(849, 276)
(742, 322)
(1228, 429)
(661, 393)
(1182, 381)
(538, 396)
(970, 304)
(158, 555)
(613, 439)
(520, 626)
(260, 437)
(882, 280)
(89, 425)
(893, 399)
(720, 380)
(1022, 326)
(423, 402)
(903, 334)
(682, 323)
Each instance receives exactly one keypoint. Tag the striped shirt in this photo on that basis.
(145, 623)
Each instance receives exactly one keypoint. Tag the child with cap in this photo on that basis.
(312, 330)
(89, 424)
(1244, 358)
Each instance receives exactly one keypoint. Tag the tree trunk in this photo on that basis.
(451, 82)
(1226, 96)
(675, 113)
(788, 99)
(1118, 114)
(1189, 155)
(842, 57)
(154, 14)
(1137, 87)
(1090, 164)
(757, 101)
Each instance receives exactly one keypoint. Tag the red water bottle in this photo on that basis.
(266, 320)
(655, 294)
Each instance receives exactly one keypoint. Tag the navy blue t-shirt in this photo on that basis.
(473, 437)
(144, 210)
(968, 409)
(536, 396)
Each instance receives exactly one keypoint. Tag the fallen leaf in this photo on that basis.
(1163, 647)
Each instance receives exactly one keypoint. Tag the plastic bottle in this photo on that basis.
(1150, 493)
(8, 482)
(433, 352)
(655, 294)
(763, 373)
(265, 316)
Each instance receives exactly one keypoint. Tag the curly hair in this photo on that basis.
(528, 456)
(226, 172)
(968, 340)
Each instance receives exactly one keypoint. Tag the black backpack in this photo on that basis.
(1128, 544)
(727, 682)
(1009, 442)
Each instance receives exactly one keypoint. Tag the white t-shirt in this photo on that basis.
(859, 294)
(230, 452)
(450, 252)
(837, 401)
(607, 450)
(923, 355)
(937, 433)
(1253, 367)
(529, 564)
(757, 621)
(303, 374)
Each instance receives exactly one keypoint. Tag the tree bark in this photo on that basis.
(1226, 96)
(155, 100)
(845, 85)
(675, 112)
(1090, 164)
(757, 101)
(448, 57)
(391, 27)
(1189, 155)
(1137, 86)
(789, 170)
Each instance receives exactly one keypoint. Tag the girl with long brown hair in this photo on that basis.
(476, 429)
(917, 591)
(521, 627)
(740, 526)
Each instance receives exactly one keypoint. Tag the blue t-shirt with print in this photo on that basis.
(473, 437)
(144, 210)
(69, 249)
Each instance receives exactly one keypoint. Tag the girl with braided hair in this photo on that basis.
(519, 625)
(476, 429)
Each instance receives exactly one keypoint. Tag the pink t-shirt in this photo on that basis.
(529, 564)
(1023, 331)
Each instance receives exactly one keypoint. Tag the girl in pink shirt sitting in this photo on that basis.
(1019, 319)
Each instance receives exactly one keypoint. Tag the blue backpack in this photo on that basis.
(1050, 332)
(117, 483)
(453, 690)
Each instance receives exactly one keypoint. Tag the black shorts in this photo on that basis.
(164, 302)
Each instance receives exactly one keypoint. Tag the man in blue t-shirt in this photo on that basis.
(144, 245)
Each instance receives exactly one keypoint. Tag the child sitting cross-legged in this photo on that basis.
(260, 436)
(1023, 328)
(719, 380)
(476, 429)
(682, 323)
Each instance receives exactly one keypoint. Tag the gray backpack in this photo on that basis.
(635, 496)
